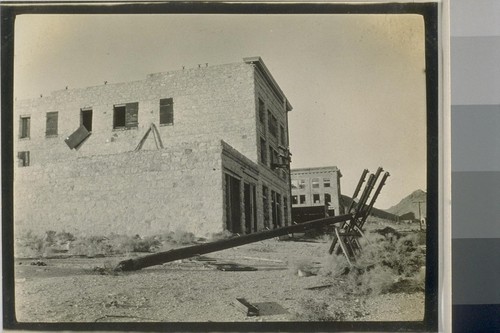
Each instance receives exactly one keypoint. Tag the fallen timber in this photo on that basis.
(190, 251)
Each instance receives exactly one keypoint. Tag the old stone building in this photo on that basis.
(214, 157)
(315, 192)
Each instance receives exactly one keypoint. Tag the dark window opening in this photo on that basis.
(316, 198)
(86, 119)
(302, 199)
(273, 124)
(295, 200)
(262, 111)
(166, 111)
(233, 208)
(125, 116)
(24, 131)
(51, 126)
(263, 151)
(24, 158)
(326, 182)
(282, 136)
(274, 209)
(328, 198)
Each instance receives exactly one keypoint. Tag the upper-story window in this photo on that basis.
(282, 136)
(326, 182)
(166, 111)
(125, 115)
(273, 124)
(24, 127)
(86, 119)
(24, 158)
(262, 111)
(263, 151)
(315, 183)
(51, 125)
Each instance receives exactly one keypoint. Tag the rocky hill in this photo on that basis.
(408, 207)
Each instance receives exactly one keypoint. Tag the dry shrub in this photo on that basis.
(382, 264)
(179, 237)
(303, 265)
(221, 236)
(312, 310)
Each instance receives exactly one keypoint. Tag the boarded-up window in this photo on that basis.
(125, 115)
(51, 128)
(166, 111)
(24, 127)
(24, 158)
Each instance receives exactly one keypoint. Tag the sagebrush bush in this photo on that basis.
(382, 263)
(313, 310)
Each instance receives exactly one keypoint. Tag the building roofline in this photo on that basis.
(259, 63)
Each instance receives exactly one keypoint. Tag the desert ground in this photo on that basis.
(286, 280)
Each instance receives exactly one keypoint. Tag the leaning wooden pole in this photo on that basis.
(190, 251)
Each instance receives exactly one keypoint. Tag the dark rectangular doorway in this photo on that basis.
(250, 208)
(233, 201)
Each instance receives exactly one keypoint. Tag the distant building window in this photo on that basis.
(328, 198)
(302, 199)
(24, 158)
(273, 124)
(166, 111)
(51, 126)
(295, 183)
(326, 182)
(262, 111)
(86, 119)
(302, 183)
(316, 198)
(295, 200)
(282, 136)
(24, 127)
(125, 115)
(263, 151)
(315, 183)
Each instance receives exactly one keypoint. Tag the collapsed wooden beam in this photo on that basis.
(190, 251)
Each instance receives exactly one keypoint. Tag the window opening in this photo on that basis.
(24, 131)
(166, 111)
(24, 158)
(86, 119)
(302, 199)
(125, 116)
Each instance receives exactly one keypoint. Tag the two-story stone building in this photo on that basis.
(217, 162)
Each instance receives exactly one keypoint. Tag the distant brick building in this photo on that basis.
(223, 165)
(314, 189)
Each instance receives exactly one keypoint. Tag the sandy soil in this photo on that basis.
(69, 290)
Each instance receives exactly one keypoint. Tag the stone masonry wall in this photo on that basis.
(215, 102)
(144, 192)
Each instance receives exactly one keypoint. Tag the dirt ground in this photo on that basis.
(194, 290)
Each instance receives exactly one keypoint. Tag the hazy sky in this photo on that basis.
(356, 82)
